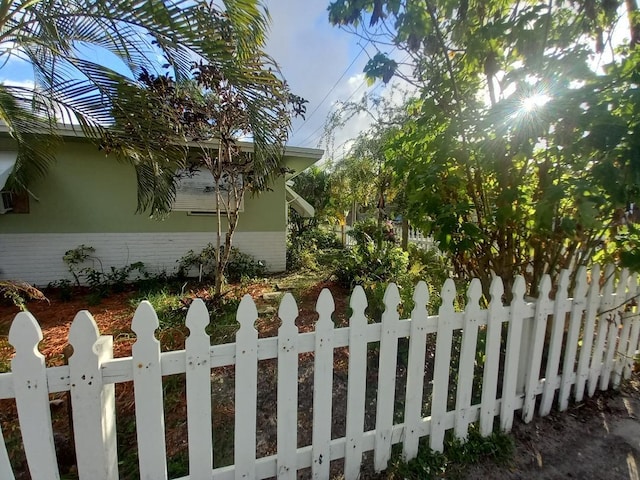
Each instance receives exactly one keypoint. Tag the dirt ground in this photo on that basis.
(596, 439)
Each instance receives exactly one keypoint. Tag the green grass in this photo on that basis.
(497, 447)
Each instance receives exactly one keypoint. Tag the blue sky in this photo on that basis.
(314, 56)
(317, 59)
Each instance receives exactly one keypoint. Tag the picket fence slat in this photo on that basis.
(558, 324)
(626, 320)
(32, 398)
(287, 405)
(467, 359)
(198, 388)
(415, 371)
(323, 397)
(6, 472)
(147, 387)
(634, 334)
(246, 395)
(619, 300)
(602, 334)
(497, 314)
(543, 308)
(604, 317)
(93, 404)
(356, 385)
(386, 377)
(578, 306)
(584, 359)
(441, 365)
(512, 355)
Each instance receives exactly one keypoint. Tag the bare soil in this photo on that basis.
(596, 439)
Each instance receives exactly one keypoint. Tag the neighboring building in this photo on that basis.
(89, 198)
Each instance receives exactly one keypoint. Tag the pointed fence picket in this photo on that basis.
(598, 347)
(512, 354)
(322, 397)
(441, 367)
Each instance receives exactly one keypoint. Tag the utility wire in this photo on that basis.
(331, 89)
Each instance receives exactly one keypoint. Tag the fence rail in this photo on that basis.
(591, 339)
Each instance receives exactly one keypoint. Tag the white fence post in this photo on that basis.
(93, 403)
(560, 309)
(512, 354)
(543, 307)
(415, 371)
(604, 318)
(356, 384)
(32, 398)
(323, 397)
(198, 389)
(578, 308)
(147, 387)
(386, 377)
(442, 363)
(612, 339)
(287, 405)
(634, 319)
(588, 332)
(497, 314)
(467, 359)
(246, 390)
(623, 340)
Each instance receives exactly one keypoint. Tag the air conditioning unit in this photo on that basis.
(6, 202)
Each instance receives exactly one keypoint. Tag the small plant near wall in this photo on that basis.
(19, 292)
(100, 282)
(240, 266)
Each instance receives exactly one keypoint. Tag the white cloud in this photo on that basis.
(314, 56)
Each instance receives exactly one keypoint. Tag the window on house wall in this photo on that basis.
(14, 202)
(195, 194)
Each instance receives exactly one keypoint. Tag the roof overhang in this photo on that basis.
(299, 204)
(7, 162)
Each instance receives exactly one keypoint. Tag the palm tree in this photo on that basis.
(71, 87)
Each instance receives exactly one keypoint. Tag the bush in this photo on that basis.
(240, 266)
(303, 250)
(243, 266)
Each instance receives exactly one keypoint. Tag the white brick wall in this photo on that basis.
(37, 258)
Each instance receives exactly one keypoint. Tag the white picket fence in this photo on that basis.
(591, 343)
(415, 236)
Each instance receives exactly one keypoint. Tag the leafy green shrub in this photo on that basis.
(100, 283)
(497, 447)
(374, 258)
(240, 266)
(243, 266)
(303, 250)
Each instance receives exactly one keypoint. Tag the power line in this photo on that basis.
(331, 89)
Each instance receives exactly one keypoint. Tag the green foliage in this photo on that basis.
(101, 283)
(55, 36)
(19, 293)
(303, 250)
(515, 155)
(314, 185)
(374, 257)
(240, 266)
(497, 447)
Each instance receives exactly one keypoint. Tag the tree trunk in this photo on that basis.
(404, 241)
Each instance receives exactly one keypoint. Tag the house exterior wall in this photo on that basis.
(88, 198)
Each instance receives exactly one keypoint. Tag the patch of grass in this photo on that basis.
(497, 447)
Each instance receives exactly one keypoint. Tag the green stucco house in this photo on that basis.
(89, 198)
